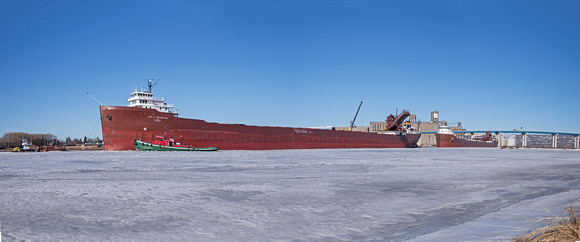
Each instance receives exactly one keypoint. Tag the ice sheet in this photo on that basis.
(337, 195)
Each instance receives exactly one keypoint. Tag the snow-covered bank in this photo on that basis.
(349, 194)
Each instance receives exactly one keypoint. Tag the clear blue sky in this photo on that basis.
(488, 64)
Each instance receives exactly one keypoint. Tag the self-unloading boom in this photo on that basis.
(352, 123)
(398, 121)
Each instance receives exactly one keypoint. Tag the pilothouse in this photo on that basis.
(145, 99)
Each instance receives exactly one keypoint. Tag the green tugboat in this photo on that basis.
(161, 144)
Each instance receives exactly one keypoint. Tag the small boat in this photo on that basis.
(26, 147)
(161, 144)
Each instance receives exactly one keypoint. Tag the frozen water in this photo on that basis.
(329, 195)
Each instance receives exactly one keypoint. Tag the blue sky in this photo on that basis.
(487, 64)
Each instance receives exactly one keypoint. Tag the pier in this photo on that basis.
(524, 133)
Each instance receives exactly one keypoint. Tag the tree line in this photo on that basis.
(14, 139)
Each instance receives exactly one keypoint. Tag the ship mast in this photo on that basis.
(150, 84)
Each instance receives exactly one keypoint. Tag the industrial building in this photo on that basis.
(426, 140)
(515, 138)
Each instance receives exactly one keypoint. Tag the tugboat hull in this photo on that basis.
(145, 146)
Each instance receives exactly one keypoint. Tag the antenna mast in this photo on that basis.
(151, 85)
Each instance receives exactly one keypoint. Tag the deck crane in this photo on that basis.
(352, 123)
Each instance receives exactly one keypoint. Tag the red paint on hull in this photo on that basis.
(122, 125)
(449, 140)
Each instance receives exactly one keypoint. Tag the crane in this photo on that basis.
(352, 123)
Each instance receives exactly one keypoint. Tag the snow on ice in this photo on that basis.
(310, 195)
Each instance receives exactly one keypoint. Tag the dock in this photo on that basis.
(510, 140)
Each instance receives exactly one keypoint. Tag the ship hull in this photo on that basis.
(449, 140)
(121, 126)
(145, 146)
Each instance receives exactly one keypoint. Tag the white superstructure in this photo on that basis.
(25, 145)
(145, 99)
(445, 130)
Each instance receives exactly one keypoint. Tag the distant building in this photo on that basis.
(428, 140)
(433, 125)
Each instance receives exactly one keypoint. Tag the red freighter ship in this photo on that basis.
(146, 117)
(446, 138)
